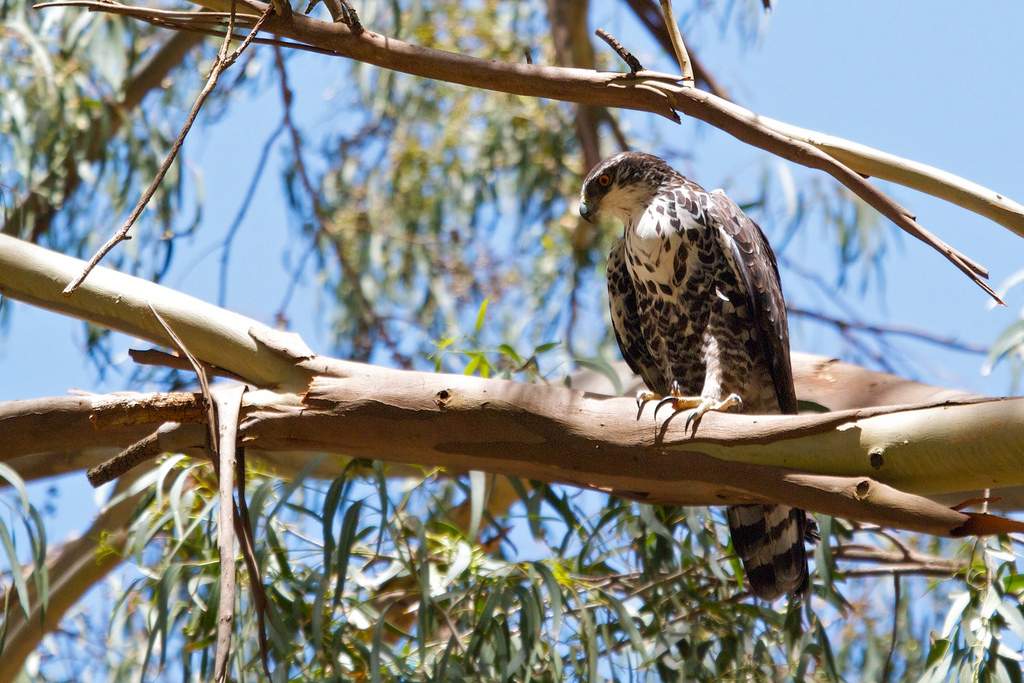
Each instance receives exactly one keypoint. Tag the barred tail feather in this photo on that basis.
(769, 540)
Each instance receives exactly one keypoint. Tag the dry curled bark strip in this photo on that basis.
(228, 403)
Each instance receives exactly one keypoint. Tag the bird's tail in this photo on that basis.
(769, 540)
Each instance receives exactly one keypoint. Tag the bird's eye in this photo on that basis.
(604, 180)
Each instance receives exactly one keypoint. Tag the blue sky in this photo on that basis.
(933, 81)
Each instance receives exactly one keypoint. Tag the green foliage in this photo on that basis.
(24, 577)
(372, 577)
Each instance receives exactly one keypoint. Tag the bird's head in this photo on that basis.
(623, 185)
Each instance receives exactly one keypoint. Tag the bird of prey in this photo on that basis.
(698, 313)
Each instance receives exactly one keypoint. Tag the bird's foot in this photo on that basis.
(708, 405)
(679, 402)
(675, 397)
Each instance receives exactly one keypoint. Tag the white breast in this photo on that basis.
(646, 237)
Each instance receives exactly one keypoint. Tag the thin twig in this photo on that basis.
(896, 330)
(650, 16)
(682, 56)
(222, 62)
(895, 627)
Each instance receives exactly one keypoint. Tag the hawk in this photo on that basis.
(698, 313)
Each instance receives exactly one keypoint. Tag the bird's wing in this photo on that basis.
(626, 320)
(759, 271)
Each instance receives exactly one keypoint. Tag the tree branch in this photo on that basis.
(895, 562)
(981, 435)
(223, 61)
(815, 461)
(661, 94)
(650, 16)
(245, 347)
(843, 325)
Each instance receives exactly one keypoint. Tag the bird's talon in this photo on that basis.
(642, 399)
(664, 401)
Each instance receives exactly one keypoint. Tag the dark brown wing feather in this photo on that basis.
(768, 538)
(626, 320)
(756, 263)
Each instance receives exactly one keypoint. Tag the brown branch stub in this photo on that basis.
(628, 57)
(168, 360)
(139, 452)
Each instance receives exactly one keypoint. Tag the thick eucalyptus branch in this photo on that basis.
(245, 347)
(538, 432)
(837, 463)
(902, 448)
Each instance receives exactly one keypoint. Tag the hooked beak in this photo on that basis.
(585, 213)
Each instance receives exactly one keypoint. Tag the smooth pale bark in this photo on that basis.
(933, 450)
(842, 463)
(121, 302)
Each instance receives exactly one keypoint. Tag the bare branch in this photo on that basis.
(168, 437)
(649, 91)
(223, 61)
(168, 360)
(816, 461)
(650, 16)
(895, 562)
(843, 324)
(628, 57)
